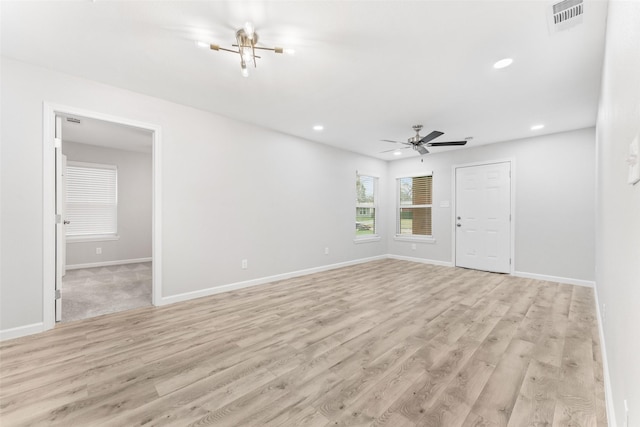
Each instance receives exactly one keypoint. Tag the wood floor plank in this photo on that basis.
(537, 399)
(387, 343)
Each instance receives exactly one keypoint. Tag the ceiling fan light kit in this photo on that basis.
(246, 43)
(420, 143)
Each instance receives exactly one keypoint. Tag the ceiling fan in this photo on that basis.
(419, 143)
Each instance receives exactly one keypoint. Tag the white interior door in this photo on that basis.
(61, 242)
(483, 217)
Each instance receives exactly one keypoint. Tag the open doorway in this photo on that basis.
(107, 195)
(104, 262)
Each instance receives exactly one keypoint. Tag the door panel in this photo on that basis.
(483, 217)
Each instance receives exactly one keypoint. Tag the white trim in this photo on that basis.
(261, 281)
(367, 239)
(608, 392)
(92, 238)
(108, 263)
(415, 238)
(48, 201)
(421, 260)
(557, 279)
(512, 182)
(48, 216)
(21, 331)
(415, 175)
(365, 173)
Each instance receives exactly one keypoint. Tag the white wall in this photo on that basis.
(618, 217)
(134, 205)
(554, 218)
(230, 191)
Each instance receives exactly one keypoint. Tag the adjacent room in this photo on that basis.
(284, 213)
(106, 201)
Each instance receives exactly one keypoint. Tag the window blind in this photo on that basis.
(416, 198)
(91, 199)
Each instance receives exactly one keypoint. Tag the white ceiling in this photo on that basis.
(366, 70)
(106, 134)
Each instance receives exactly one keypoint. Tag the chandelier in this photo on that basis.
(246, 45)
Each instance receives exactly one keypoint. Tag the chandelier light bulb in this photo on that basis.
(247, 54)
(249, 29)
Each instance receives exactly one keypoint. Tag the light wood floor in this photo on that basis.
(387, 343)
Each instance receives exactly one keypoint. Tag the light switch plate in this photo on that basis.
(634, 161)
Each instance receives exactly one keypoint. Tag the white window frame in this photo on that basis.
(414, 237)
(376, 196)
(104, 236)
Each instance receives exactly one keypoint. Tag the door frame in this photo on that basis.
(50, 110)
(512, 205)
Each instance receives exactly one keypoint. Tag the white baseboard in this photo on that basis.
(21, 331)
(608, 396)
(421, 260)
(108, 263)
(567, 280)
(261, 281)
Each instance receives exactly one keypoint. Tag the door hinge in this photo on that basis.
(57, 294)
(509, 261)
(57, 142)
(509, 217)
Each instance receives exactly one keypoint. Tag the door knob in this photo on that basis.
(65, 222)
(459, 225)
(459, 218)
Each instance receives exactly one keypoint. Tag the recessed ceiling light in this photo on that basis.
(318, 128)
(202, 44)
(397, 153)
(503, 63)
(537, 127)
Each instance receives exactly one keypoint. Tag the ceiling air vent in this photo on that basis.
(565, 14)
(73, 120)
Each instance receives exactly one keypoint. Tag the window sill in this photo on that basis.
(415, 239)
(367, 239)
(93, 238)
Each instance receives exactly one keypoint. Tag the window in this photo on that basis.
(92, 199)
(366, 203)
(414, 206)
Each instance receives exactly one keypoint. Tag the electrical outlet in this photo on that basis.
(98, 251)
(245, 264)
(326, 251)
(413, 246)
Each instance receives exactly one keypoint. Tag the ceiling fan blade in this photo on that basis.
(394, 149)
(421, 149)
(395, 142)
(432, 135)
(444, 144)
